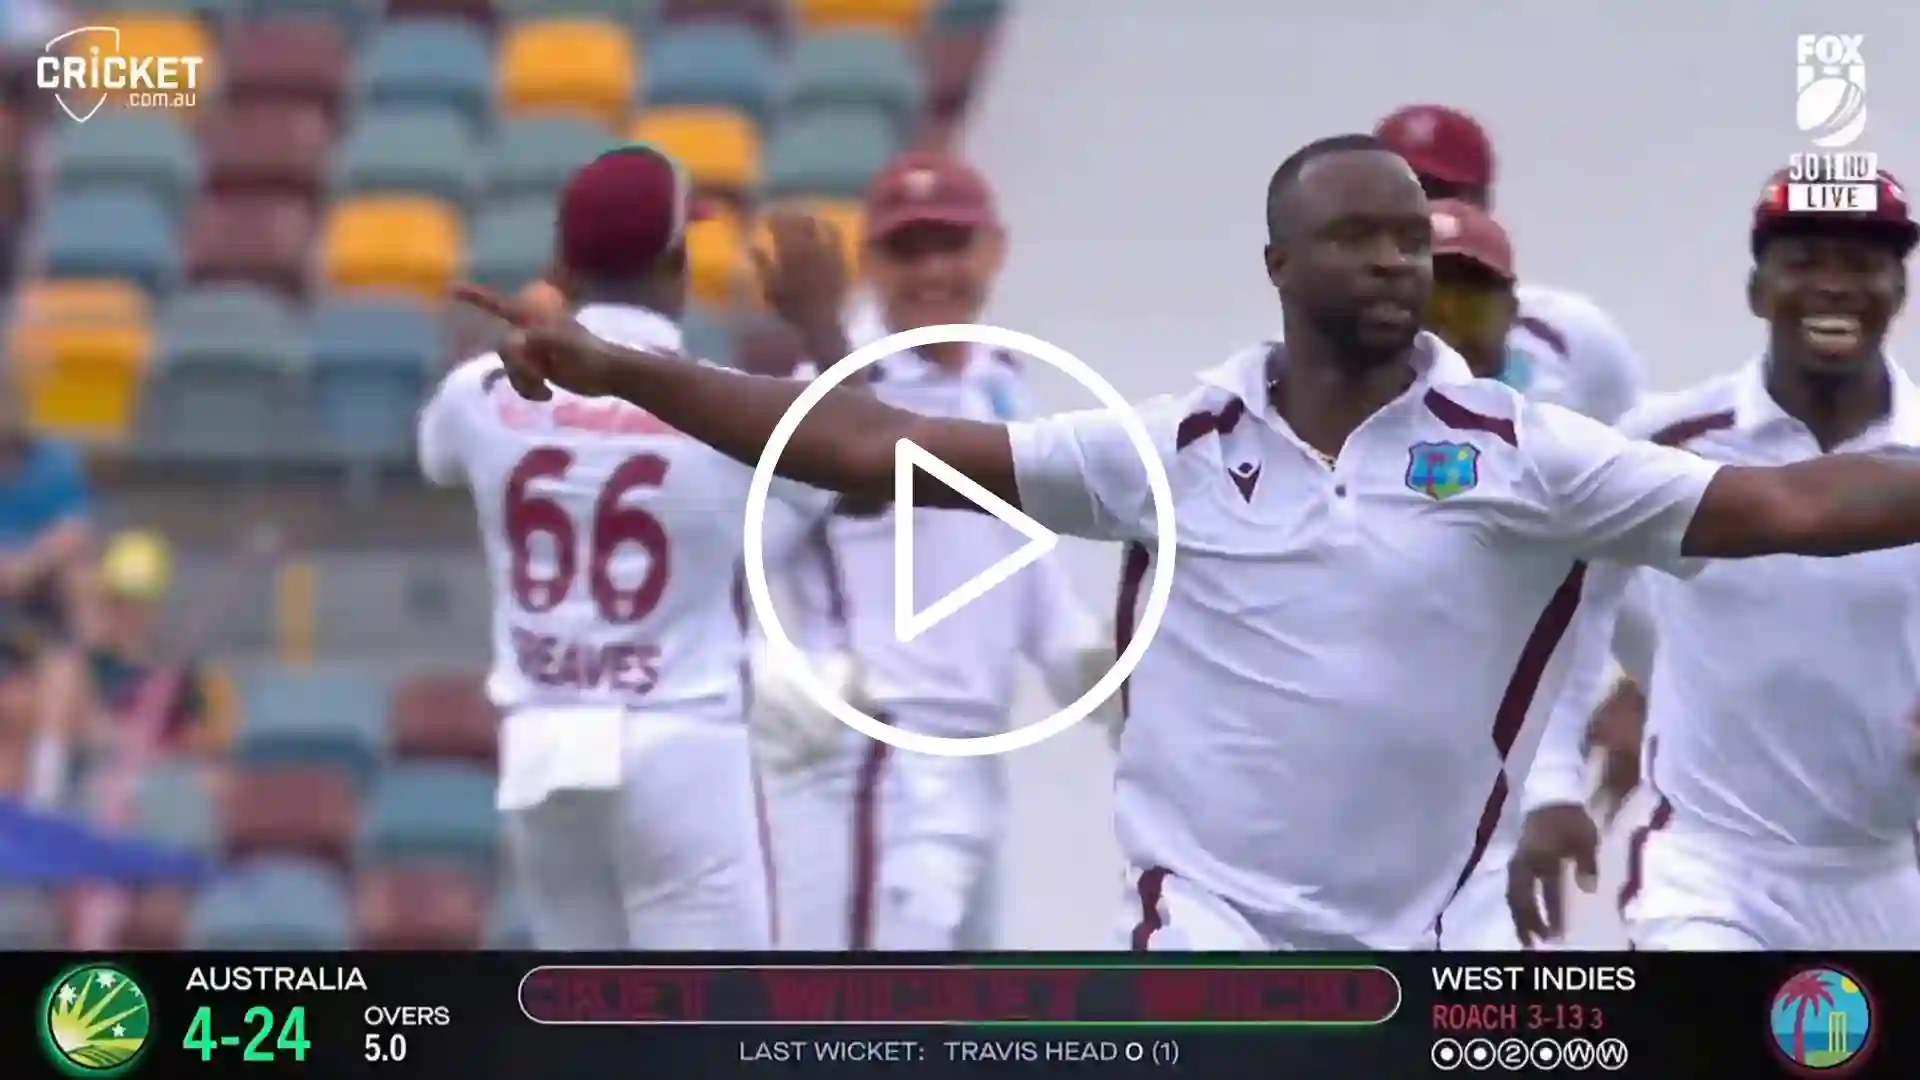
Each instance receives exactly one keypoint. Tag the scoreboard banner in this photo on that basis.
(1303, 1016)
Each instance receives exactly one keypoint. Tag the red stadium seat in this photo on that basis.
(300, 59)
(419, 907)
(156, 918)
(268, 147)
(767, 16)
(479, 12)
(445, 716)
(262, 239)
(291, 809)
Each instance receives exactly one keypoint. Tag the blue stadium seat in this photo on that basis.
(173, 806)
(148, 149)
(507, 923)
(117, 234)
(714, 63)
(273, 903)
(859, 68)
(707, 336)
(372, 361)
(230, 362)
(415, 149)
(433, 811)
(533, 155)
(830, 151)
(439, 63)
(329, 716)
(967, 14)
(510, 242)
(634, 13)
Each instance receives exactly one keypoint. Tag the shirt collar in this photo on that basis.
(627, 324)
(1754, 408)
(1249, 373)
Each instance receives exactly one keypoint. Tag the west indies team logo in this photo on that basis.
(1823, 1022)
(93, 1021)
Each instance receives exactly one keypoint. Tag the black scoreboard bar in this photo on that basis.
(474, 1016)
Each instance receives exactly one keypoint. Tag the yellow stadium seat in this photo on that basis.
(582, 66)
(221, 715)
(717, 262)
(848, 219)
(159, 35)
(719, 148)
(80, 350)
(394, 243)
(903, 17)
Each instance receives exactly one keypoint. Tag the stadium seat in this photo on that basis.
(354, 17)
(174, 805)
(157, 918)
(830, 152)
(256, 239)
(268, 147)
(28, 920)
(147, 149)
(230, 357)
(373, 359)
(432, 812)
(904, 18)
(150, 33)
(273, 904)
(632, 13)
(570, 67)
(714, 64)
(481, 13)
(445, 716)
(768, 18)
(719, 147)
(441, 63)
(396, 243)
(507, 922)
(79, 352)
(301, 58)
(220, 717)
(409, 150)
(858, 68)
(325, 716)
(512, 242)
(305, 809)
(706, 336)
(120, 234)
(533, 155)
(952, 60)
(967, 14)
(718, 264)
(419, 907)
(848, 218)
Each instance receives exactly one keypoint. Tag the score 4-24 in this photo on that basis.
(290, 1038)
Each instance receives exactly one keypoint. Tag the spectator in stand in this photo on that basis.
(123, 639)
(45, 542)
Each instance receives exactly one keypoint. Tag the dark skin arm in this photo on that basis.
(1840, 504)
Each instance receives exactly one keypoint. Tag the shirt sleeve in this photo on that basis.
(444, 421)
(1079, 473)
(1611, 369)
(1611, 497)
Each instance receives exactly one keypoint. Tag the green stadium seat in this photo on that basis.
(110, 234)
(230, 362)
(433, 812)
(173, 806)
(967, 14)
(830, 151)
(707, 336)
(511, 242)
(714, 64)
(409, 150)
(534, 155)
(428, 62)
(859, 68)
(633, 13)
(124, 148)
(273, 903)
(373, 360)
(328, 716)
(507, 924)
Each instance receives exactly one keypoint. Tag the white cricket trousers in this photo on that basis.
(1164, 912)
(1692, 888)
(676, 859)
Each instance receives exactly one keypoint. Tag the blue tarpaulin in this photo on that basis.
(43, 849)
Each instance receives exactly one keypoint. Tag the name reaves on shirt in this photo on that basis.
(552, 661)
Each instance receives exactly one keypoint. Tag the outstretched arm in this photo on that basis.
(1840, 504)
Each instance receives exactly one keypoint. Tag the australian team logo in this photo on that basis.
(1441, 470)
(1822, 1021)
(94, 1021)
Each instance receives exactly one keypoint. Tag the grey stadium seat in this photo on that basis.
(715, 63)
(230, 363)
(147, 149)
(118, 234)
(859, 68)
(328, 716)
(415, 149)
(437, 63)
(273, 903)
(830, 151)
(534, 155)
(372, 359)
(510, 242)
(435, 812)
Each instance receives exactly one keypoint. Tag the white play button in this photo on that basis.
(908, 623)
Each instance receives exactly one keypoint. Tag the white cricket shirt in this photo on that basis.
(1781, 687)
(1565, 350)
(1317, 733)
(613, 543)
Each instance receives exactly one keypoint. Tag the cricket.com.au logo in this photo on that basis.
(85, 67)
(94, 1021)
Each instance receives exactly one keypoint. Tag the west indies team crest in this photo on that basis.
(1822, 1021)
(93, 1021)
(1441, 470)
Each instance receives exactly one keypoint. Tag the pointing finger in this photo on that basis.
(484, 299)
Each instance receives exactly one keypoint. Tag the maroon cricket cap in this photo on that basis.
(923, 187)
(1891, 215)
(1465, 231)
(623, 211)
(1442, 143)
